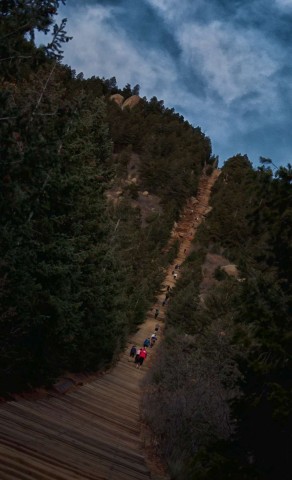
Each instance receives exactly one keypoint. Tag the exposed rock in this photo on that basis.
(145, 194)
(131, 102)
(231, 270)
(119, 99)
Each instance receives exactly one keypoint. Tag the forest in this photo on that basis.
(219, 400)
(89, 194)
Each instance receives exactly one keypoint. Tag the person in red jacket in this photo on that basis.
(142, 357)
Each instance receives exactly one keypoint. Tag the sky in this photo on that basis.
(225, 65)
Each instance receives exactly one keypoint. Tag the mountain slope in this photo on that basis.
(92, 432)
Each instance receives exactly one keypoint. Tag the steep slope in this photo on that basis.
(92, 432)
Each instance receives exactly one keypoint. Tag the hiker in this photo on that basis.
(167, 296)
(166, 301)
(175, 275)
(177, 267)
(153, 340)
(156, 313)
(133, 351)
(137, 356)
(156, 327)
(146, 342)
(142, 357)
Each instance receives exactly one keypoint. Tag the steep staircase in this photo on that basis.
(93, 432)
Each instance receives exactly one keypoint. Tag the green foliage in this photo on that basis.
(244, 327)
(76, 274)
(215, 464)
(19, 20)
(192, 385)
(181, 312)
(133, 191)
(55, 237)
(172, 152)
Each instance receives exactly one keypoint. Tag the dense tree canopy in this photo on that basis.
(235, 347)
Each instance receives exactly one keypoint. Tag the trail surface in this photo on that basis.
(93, 432)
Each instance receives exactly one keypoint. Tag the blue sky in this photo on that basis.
(225, 65)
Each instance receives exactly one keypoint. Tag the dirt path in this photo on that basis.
(93, 432)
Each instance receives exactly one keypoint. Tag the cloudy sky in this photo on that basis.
(225, 65)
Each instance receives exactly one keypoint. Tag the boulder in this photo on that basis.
(119, 99)
(131, 102)
(231, 270)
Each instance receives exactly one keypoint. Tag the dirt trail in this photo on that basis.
(93, 432)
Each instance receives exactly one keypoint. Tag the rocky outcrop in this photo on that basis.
(119, 99)
(231, 270)
(130, 102)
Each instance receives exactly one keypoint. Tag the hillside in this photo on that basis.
(218, 401)
(93, 431)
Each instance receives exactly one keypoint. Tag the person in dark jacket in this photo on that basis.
(133, 351)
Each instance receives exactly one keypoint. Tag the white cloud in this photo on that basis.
(284, 3)
(97, 49)
(233, 63)
(175, 10)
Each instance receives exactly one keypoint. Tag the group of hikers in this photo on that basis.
(140, 354)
